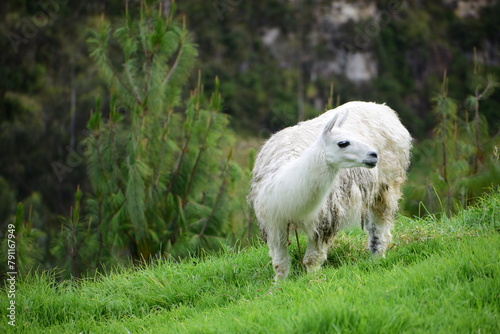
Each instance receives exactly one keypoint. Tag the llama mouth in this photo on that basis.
(370, 163)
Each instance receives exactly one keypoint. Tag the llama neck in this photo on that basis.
(305, 183)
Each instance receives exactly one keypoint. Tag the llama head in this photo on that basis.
(343, 148)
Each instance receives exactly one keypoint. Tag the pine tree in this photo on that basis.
(21, 248)
(161, 170)
(76, 240)
(459, 162)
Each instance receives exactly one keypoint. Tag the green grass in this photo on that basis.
(441, 276)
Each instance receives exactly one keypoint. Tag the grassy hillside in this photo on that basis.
(441, 276)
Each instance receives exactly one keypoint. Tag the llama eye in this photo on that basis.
(343, 144)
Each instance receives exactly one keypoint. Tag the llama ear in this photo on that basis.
(342, 119)
(329, 126)
(335, 122)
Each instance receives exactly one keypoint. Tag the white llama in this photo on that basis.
(343, 167)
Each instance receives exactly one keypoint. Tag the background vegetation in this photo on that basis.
(127, 129)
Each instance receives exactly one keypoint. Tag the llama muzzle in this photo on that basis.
(372, 160)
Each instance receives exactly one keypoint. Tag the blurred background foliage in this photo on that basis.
(112, 162)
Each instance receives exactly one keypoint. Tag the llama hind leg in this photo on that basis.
(379, 229)
(277, 242)
(379, 220)
(381, 217)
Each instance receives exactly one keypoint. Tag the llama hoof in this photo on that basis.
(280, 277)
(377, 256)
(280, 273)
(312, 267)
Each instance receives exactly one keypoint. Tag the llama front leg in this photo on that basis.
(320, 239)
(278, 250)
(316, 253)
